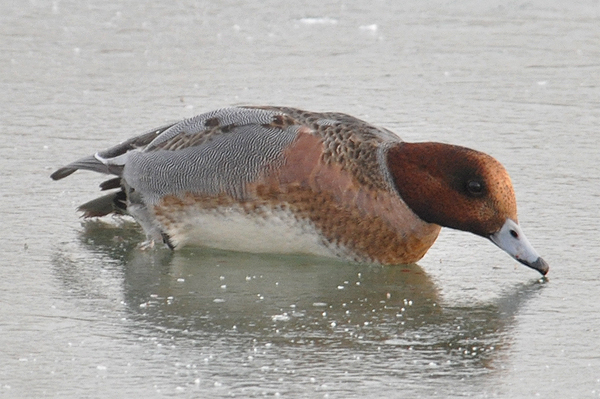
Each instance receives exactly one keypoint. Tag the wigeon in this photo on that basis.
(284, 180)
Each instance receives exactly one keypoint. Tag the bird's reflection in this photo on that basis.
(294, 300)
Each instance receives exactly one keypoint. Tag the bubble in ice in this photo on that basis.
(318, 21)
(368, 28)
(280, 317)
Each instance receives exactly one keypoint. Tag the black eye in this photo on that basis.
(514, 234)
(474, 187)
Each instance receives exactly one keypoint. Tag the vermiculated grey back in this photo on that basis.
(221, 118)
(225, 164)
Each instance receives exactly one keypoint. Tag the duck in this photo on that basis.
(270, 179)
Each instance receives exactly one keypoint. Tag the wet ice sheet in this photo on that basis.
(241, 324)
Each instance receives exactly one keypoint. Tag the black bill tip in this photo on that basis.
(540, 265)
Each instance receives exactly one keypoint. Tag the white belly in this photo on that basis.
(264, 230)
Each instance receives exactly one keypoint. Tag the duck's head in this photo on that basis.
(464, 189)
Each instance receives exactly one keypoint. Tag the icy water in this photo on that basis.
(84, 313)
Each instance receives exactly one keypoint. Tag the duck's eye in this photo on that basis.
(474, 187)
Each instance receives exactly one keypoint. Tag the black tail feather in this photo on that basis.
(92, 163)
(115, 202)
(87, 163)
(110, 184)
